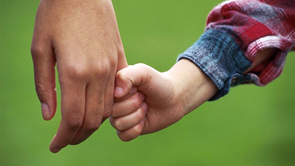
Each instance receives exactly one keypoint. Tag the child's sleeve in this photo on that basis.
(236, 30)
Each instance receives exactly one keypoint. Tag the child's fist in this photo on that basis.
(147, 101)
(153, 107)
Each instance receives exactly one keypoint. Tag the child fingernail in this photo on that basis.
(118, 132)
(144, 106)
(142, 121)
(133, 90)
(118, 91)
(45, 111)
(141, 96)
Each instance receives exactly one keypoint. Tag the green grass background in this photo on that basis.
(252, 126)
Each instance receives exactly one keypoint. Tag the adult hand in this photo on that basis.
(82, 38)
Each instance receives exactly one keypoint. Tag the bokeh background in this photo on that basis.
(252, 126)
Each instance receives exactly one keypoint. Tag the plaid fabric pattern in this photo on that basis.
(256, 25)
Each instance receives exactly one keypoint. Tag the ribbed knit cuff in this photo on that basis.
(218, 55)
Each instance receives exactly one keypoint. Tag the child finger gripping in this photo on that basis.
(147, 101)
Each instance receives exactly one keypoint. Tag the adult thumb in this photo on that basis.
(44, 72)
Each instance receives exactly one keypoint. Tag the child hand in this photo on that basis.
(161, 98)
(153, 108)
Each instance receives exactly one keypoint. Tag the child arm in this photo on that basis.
(162, 98)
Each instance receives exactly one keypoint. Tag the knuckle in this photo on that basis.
(136, 101)
(124, 137)
(141, 66)
(113, 63)
(92, 126)
(76, 72)
(120, 124)
(140, 114)
(117, 124)
(137, 130)
(74, 124)
(36, 50)
(102, 70)
(40, 88)
(120, 128)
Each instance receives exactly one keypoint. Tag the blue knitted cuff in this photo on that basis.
(218, 55)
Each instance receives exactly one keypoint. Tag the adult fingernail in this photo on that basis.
(133, 90)
(118, 91)
(55, 150)
(45, 111)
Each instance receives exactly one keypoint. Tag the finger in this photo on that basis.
(131, 92)
(44, 62)
(109, 96)
(132, 133)
(128, 106)
(122, 62)
(128, 121)
(123, 88)
(72, 108)
(94, 108)
(132, 76)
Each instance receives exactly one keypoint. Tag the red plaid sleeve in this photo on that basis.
(257, 25)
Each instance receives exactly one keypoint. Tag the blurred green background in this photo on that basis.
(252, 126)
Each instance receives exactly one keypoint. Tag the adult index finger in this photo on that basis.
(72, 108)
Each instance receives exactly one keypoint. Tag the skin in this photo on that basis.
(82, 39)
(162, 98)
